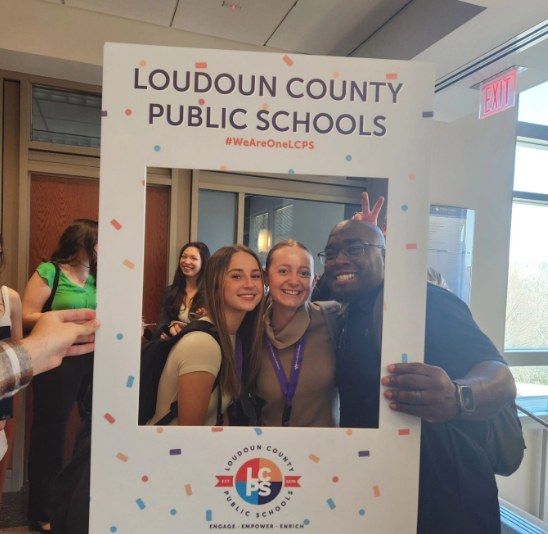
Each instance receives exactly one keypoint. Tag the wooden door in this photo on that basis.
(57, 201)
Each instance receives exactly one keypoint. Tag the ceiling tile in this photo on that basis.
(332, 27)
(416, 28)
(253, 22)
(152, 11)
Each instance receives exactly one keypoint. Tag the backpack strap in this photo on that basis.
(49, 302)
(211, 329)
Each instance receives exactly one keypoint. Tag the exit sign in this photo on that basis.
(498, 94)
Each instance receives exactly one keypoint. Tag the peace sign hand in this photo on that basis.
(366, 214)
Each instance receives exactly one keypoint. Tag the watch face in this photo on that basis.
(468, 399)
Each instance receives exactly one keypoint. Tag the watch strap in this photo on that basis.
(463, 412)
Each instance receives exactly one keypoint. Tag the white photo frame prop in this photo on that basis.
(184, 480)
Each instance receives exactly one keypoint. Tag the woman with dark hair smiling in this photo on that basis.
(184, 298)
(66, 282)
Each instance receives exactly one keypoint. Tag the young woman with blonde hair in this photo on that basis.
(295, 378)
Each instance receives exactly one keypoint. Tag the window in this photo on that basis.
(260, 239)
(269, 220)
(283, 228)
(526, 334)
(527, 301)
(66, 117)
(216, 206)
(532, 105)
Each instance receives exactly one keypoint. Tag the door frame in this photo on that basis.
(70, 162)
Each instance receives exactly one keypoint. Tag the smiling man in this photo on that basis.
(463, 382)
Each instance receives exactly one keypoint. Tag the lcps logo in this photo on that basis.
(258, 481)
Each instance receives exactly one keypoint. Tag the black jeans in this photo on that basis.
(55, 393)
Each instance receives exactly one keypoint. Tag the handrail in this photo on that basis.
(532, 416)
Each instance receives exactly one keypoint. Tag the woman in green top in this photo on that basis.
(56, 391)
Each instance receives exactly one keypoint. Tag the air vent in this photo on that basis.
(526, 40)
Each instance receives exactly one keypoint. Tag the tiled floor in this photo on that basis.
(14, 510)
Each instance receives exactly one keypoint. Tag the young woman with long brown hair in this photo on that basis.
(185, 297)
(234, 302)
(66, 282)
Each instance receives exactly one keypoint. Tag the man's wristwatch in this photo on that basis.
(465, 400)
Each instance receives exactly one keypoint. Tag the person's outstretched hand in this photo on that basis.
(366, 214)
(422, 390)
(55, 334)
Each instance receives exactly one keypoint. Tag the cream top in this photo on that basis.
(316, 399)
(197, 351)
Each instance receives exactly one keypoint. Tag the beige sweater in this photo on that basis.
(316, 400)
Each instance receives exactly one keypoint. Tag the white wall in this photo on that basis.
(522, 489)
(473, 167)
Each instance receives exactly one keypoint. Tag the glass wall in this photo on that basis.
(526, 334)
(217, 218)
(269, 220)
(66, 117)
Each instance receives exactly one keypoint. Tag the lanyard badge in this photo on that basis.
(288, 388)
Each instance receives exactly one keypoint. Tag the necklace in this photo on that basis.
(82, 280)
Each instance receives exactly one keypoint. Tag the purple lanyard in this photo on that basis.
(238, 352)
(288, 388)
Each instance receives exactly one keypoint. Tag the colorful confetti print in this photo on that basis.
(288, 60)
(109, 418)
